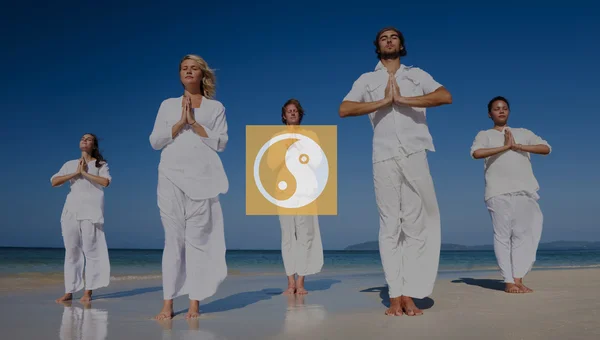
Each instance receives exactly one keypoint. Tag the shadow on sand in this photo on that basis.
(423, 304)
(244, 299)
(128, 293)
(483, 283)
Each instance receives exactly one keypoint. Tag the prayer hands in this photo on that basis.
(392, 91)
(82, 166)
(190, 118)
(397, 95)
(509, 141)
(389, 90)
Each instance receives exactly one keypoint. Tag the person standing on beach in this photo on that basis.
(395, 97)
(301, 246)
(82, 220)
(511, 193)
(190, 131)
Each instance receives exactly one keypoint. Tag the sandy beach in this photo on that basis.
(565, 305)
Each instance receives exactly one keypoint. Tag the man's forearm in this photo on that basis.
(438, 97)
(353, 109)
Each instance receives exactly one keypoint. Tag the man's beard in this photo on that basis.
(390, 55)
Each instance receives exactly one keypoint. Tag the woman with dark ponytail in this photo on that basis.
(82, 220)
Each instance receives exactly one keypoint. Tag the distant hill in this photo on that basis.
(557, 245)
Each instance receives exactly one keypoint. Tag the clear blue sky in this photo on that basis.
(70, 69)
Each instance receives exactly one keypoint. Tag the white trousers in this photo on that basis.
(301, 246)
(409, 225)
(517, 220)
(85, 248)
(193, 260)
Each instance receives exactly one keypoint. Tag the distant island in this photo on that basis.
(557, 245)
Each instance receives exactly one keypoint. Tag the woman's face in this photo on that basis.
(86, 143)
(190, 73)
(500, 112)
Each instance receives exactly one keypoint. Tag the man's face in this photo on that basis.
(389, 45)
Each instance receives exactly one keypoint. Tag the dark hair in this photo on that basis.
(96, 151)
(496, 99)
(298, 107)
(402, 52)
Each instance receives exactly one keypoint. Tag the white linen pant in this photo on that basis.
(517, 220)
(193, 260)
(409, 225)
(301, 246)
(85, 248)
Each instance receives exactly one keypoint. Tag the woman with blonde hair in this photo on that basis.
(190, 130)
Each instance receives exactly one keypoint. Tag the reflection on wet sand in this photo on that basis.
(193, 333)
(83, 323)
(300, 317)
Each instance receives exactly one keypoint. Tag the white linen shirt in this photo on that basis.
(86, 198)
(397, 130)
(509, 171)
(189, 160)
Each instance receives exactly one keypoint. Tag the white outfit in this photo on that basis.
(88, 323)
(190, 179)
(511, 199)
(410, 230)
(301, 246)
(82, 224)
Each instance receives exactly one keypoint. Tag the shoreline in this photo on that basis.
(463, 305)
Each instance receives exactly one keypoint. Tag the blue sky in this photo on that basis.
(75, 68)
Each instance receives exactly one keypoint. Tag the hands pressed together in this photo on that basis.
(392, 91)
(509, 141)
(187, 112)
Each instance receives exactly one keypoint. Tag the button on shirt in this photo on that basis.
(397, 130)
(509, 171)
(86, 198)
(189, 160)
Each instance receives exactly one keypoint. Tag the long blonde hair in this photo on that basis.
(208, 85)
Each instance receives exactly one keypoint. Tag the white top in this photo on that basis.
(190, 161)
(397, 130)
(509, 171)
(86, 198)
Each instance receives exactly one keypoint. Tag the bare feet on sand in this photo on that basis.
(519, 283)
(64, 298)
(300, 286)
(166, 313)
(512, 288)
(409, 307)
(194, 310)
(395, 307)
(87, 296)
(291, 289)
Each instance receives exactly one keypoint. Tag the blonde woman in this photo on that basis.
(190, 130)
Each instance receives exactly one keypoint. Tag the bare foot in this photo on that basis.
(166, 313)
(87, 296)
(395, 307)
(512, 288)
(300, 286)
(409, 307)
(64, 298)
(519, 283)
(194, 310)
(291, 289)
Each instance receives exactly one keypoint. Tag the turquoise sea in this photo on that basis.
(134, 264)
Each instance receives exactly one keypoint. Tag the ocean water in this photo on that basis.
(132, 264)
